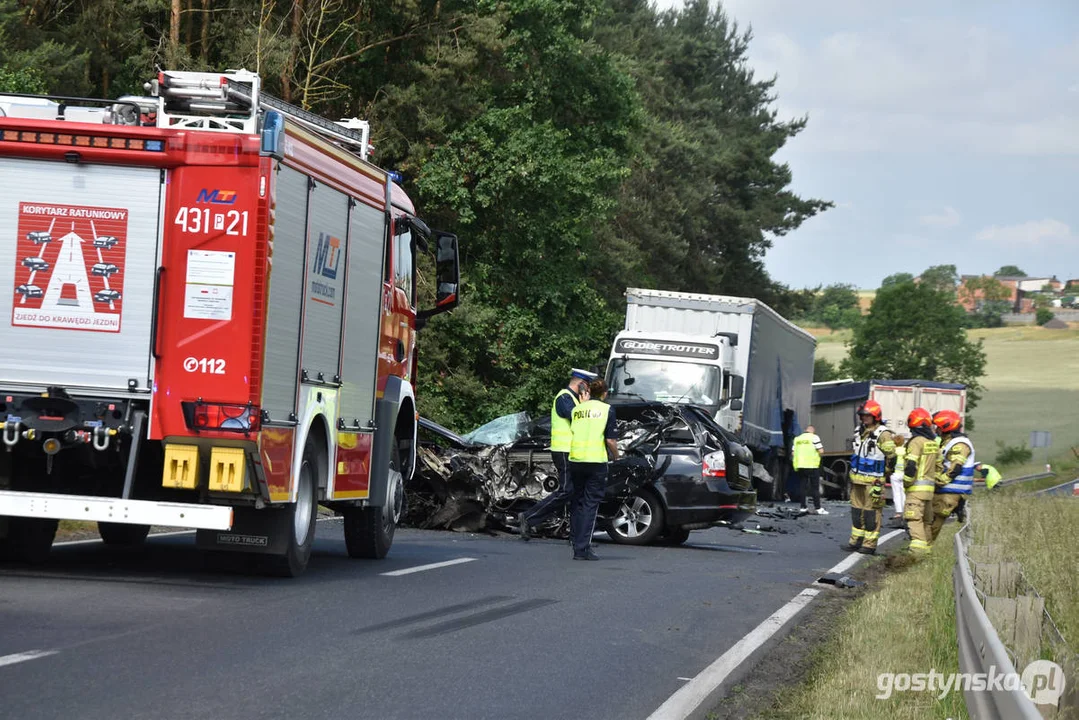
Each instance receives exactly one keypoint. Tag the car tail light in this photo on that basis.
(221, 417)
(715, 465)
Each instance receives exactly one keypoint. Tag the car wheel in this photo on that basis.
(638, 521)
(122, 533)
(674, 536)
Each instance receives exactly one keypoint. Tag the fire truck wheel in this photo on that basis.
(29, 539)
(369, 531)
(122, 533)
(304, 511)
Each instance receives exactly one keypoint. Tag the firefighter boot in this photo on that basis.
(858, 502)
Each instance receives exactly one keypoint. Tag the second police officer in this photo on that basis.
(593, 444)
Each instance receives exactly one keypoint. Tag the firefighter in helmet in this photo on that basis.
(955, 477)
(872, 460)
(920, 469)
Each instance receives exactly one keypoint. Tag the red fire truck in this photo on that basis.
(209, 321)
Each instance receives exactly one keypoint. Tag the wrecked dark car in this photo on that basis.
(680, 471)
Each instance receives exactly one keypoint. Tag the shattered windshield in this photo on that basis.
(670, 382)
(502, 430)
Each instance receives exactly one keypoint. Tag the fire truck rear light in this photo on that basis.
(153, 145)
(222, 417)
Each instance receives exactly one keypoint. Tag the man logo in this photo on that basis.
(327, 256)
(216, 197)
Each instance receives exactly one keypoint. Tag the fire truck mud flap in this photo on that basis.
(253, 531)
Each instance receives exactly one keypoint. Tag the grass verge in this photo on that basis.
(906, 626)
(1039, 534)
(76, 530)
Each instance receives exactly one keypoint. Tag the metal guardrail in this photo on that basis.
(980, 649)
(1025, 478)
(1065, 489)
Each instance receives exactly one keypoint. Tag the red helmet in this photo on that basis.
(871, 407)
(919, 417)
(947, 421)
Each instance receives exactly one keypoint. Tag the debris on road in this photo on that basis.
(840, 580)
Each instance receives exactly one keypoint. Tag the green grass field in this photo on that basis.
(1032, 383)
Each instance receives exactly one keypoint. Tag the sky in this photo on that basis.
(945, 132)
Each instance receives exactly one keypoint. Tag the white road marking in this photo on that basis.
(171, 533)
(692, 695)
(688, 699)
(685, 679)
(432, 566)
(90, 541)
(24, 656)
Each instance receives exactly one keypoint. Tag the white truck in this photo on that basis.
(751, 368)
(835, 404)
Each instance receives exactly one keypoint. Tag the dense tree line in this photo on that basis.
(577, 147)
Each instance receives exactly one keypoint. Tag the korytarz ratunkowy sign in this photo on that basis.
(635, 346)
(69, 267)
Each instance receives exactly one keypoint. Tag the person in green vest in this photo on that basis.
(805, 457)
(989, 473)
(562, 406)
(593, 445)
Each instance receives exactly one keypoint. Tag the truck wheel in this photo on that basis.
(29, 539)
(304, 511)
(369, 530)
(122, 534)
(674, 536)
(638, 521)
(841, 473)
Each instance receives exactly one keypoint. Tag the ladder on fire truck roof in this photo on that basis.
(230, 102)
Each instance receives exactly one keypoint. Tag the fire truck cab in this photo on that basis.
(223, 336)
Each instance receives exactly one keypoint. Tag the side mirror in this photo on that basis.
(735, 405)
(447, 275)
(738, 386)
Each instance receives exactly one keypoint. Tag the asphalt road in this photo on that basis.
(517, 631)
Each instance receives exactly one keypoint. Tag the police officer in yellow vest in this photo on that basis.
(561, 438)
(920, 467)
(805, 458)
(593, 444)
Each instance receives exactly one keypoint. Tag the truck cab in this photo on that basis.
(672, 368)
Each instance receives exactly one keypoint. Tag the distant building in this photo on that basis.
(1020, 290)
